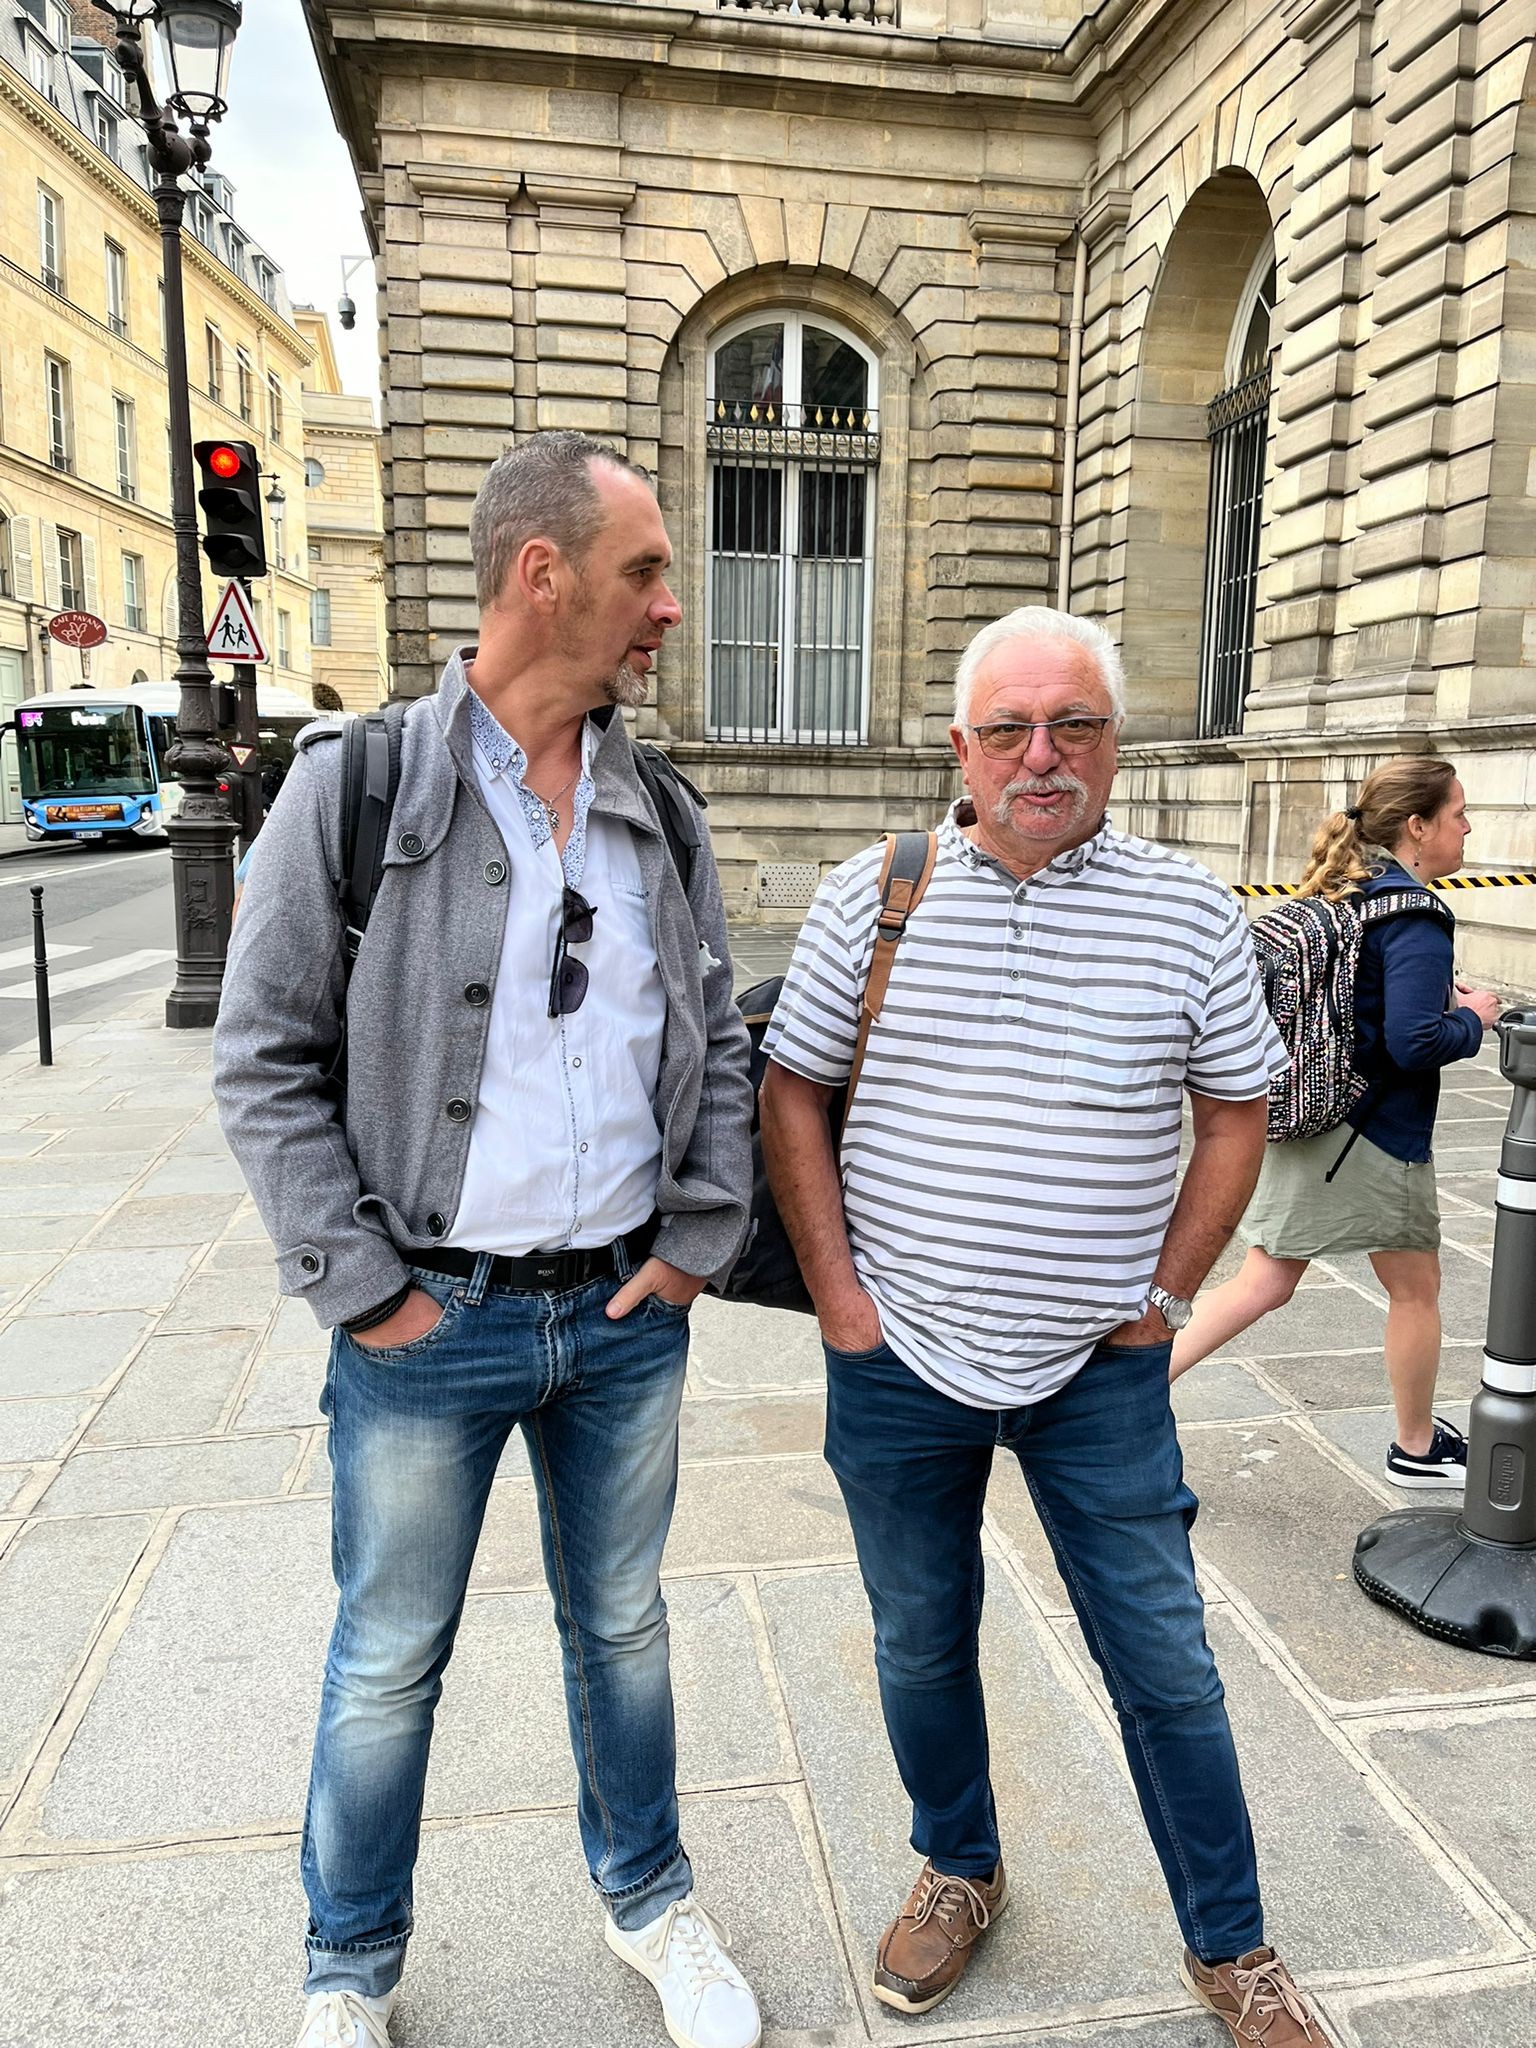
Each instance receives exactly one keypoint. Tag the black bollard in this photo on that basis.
(40, 971)
(1469, 1575)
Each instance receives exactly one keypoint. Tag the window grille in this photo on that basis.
(1238, 426)
(793, 439)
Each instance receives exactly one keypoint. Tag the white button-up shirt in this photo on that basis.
(565, 1149)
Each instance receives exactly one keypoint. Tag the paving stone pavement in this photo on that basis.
(165, 1598)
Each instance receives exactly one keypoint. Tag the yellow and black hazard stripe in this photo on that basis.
(1521, 879)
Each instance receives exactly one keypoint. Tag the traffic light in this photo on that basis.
(234, 541)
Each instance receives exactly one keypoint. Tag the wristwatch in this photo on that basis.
(1176, 1310)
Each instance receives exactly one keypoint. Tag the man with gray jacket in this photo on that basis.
(542, 1153)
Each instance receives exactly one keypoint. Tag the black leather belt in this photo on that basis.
(542, 1272)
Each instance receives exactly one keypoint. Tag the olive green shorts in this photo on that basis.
(1374, 1203)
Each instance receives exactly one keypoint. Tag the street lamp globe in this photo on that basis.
(196, 37)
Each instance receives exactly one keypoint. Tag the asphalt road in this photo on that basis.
(109, 924)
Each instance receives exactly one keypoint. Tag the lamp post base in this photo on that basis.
(203, 884)
(184, 1012)
(1425, 1566)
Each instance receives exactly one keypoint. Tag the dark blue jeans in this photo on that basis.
(417, 1431)
(1102, 1462)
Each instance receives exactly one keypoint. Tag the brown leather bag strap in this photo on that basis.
(904, 874)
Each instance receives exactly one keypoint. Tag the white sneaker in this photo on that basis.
(705, 2000)
(345, 2019)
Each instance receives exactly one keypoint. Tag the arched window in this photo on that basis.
(314, 473)
(793, 440)
(1238, 425)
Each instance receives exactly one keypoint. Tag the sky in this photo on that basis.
(294, 188)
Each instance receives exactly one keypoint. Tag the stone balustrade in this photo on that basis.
(857, 13)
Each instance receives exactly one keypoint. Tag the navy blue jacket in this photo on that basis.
(1406, 1028)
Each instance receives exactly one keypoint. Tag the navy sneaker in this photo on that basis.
(1443, 1464)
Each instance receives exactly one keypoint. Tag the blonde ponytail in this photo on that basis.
(1412, 786)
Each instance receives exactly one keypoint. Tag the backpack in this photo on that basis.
(370, 781)
(766, 1272)
(1309, 952)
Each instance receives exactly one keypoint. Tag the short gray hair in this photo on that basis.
(541, 490)
(1039, 622)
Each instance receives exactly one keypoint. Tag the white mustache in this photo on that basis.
(1038, 785)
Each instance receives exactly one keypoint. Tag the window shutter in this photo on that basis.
(21, 560)
(88, 566)
(48, 541)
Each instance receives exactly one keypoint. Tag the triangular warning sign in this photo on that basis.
(233, 635)
(242, 756)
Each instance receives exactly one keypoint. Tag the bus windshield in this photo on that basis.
(85, 750)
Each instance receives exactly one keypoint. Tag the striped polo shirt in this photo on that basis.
(1009, 1162)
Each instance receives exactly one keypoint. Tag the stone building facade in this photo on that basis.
(1215, 322)
(85, 520)
(344, 516)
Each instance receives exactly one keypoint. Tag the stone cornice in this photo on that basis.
(1107, 216)
(1031, 230)
(1305, 19)
(595, 195)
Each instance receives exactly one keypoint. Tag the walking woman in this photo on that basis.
(1407, 828)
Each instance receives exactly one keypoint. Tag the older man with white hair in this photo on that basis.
(1000, 1263)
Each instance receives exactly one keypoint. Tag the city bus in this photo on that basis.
(92, 761)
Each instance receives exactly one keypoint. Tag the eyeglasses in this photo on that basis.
(1009, 737)
(568, 979)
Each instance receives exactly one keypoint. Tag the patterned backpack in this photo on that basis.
(1309, 950)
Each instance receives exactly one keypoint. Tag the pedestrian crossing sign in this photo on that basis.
(233, 635)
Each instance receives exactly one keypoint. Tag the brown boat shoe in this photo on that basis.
(1257, 1999)
(923, 1953)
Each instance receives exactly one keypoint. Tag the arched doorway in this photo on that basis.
(1194, 538)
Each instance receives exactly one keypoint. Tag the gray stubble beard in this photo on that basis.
(626, 687)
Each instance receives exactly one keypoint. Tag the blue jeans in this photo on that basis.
(416, 1434)
(1102, 1462)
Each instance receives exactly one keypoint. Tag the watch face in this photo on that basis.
(1176, 1312)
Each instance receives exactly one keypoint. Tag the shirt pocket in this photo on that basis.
(1125, 1049)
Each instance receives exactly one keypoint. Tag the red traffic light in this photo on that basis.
(224, 461)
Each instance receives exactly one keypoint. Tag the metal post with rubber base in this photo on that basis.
(1468, 1575)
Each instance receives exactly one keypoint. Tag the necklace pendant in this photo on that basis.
(552, 813)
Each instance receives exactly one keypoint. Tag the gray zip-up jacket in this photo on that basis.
(347, 1194)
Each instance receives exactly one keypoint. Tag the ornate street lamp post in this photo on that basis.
(195, 41)
(277, 512)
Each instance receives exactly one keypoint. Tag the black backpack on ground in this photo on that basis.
(767, 1272)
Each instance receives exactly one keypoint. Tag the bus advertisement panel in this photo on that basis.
(94, 766)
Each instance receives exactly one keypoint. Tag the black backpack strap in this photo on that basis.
(370, 778)
(676, 812)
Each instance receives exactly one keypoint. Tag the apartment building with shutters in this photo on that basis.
(84, 444)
